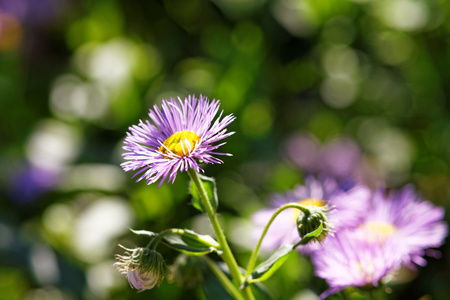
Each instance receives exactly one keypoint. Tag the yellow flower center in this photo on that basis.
(180, 143)
(312, 202)
(308, 202)
(378, 231)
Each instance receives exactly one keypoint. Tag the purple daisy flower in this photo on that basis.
(398, 229)
(346, 203)
(351, 259)
(182, 135)
(415, 224)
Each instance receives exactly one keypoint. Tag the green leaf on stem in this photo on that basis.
(209, 184)
(144, 232)
(192, 243)
(267, 268)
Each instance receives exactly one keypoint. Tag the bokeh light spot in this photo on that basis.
(339, 92)
(406, 15)
(325, 125)
(256, 120)
(97, 225)
(53, 144)
(394, 48)
(149, 202)
(247, 36)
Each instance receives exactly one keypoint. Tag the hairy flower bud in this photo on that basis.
(311, 219)
(143, 280)
(144, 268)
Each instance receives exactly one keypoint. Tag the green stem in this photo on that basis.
(345, 295)
(254, 256)
(227, 255)
(227, 284)
(248, 293)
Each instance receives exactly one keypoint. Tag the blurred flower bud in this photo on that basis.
(186, 271)
(144, 267)
(309, 222)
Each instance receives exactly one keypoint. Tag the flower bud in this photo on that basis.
(311, 219)
(144, 268)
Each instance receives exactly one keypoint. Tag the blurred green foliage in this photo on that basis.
(74, 75)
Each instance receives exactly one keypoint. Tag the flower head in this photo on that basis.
(310, 220)
(415, 224)
(181, 134)
(144, 268)
(397, 230)
(344, 202)
(351, 259)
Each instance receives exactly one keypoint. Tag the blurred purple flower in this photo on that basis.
(414, 223)
(398, 229)
(182, 134)
(338, 159)
(351, 259)
(32, 13)
(347, 200)
(26, 22)
(31, 182)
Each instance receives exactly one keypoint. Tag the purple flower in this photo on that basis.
(30, 182)
(346, 201)
(143, 267)
(397, 230)
(350, 258)
(414, 223)
(143, 280)
(182, 134)
(339, 158)
(32, 12)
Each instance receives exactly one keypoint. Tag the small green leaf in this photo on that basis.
(143, 232)
(190, 242)
(267, 268)
(209, 184)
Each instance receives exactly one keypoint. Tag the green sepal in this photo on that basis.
(192, 243)
(209, 184)
(267, 268)
(314, 234)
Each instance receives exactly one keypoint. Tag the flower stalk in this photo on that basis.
(227, 284)
(227, 255)
(254, 255)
